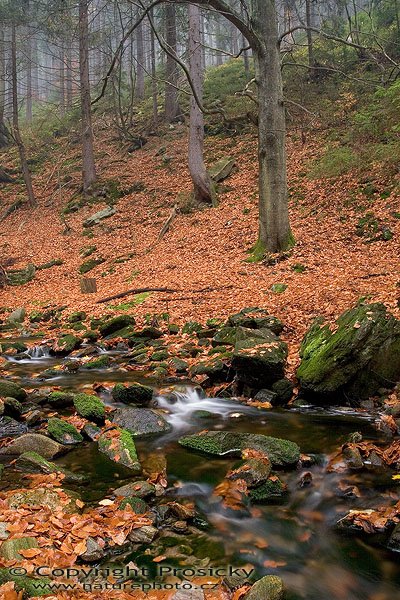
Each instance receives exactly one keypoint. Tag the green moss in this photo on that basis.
(120, 448)
(138, 505)
(160, 355)
(60, 399)
(115, 324)
(57, 262)
(31, 586)
(89, 407)
(192, 327)
(87, 251)
(68, 343)
(257, 253)
(135, 393)
(273, 489)
(77, 316)
(90, 264)
(11, 390)
(63, 432)
(278, 288)
(99, 363)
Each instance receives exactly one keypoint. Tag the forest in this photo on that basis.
(200, 299)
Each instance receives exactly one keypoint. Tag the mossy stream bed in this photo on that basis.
(295, 538)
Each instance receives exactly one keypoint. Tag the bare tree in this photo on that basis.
(202, 184)
(89, 168)
(172, 110)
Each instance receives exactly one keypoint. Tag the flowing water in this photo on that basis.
(296, 539)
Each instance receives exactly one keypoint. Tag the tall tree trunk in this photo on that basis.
(89, 168)
(17, 135)
(154, 87)
(310, 48)
(4, 136)
(62, 81)
(203, 187)
(172, 110)
(29, 94)
(140, 63)
(274, 230)
(69, 75)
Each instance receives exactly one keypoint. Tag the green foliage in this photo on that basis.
(334, 162)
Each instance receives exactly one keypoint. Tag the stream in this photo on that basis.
(296, 539)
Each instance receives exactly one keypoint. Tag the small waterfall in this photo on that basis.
(36, 352)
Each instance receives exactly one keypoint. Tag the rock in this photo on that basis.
(115, 324)
(4, 533)
(66, 344)
(60, 399)
(138, 505)
(189, 594)
(10, 549)
(44, 497)
(222, 169)
(136, 489)
(93, 553)
(119, 446)
(11, 428)
(143, 535)
(102, 362)
(354, 361)
(34, 442)
(32, 462)
(215, 370)
(8, 389)
(259, 357)
(90, 407)
(267, 396)
(179, 365)
(29, 586)
(99, 216)
(17, 316)
(12, 407)
(63, 432)
(283, 388)
(267, 588)
(353, 458)
(21, 276)
(226, 336)
(394, 540)
(271, 490)
(91, 432)
(253, 471)
(140, 422)
(255, 318)
(281, 453)
(135, 393)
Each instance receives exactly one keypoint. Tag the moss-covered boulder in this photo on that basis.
(281, 453)
(101, 362)
(270, 491)
(255, 318)
(137, 394)
(141, 422)
(90, 407)
(55, 499)
(254, 471)
(10, 549)
(8, 389)
(32, 462)
(136, 489)
(34, 442)
(66, 344)
(115, 324)
(215, 369)
(269, 587)
(138, 505)
(360, 356)
(90, 264)
(60, 399)
(31, 586)
(259, 357)
(63, 432)
(11, 428)
(119, 446)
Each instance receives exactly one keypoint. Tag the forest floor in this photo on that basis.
(206, 249)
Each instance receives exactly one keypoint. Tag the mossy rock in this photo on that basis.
(280, 452)
(269, 587)
(135, 393)
(179, 365)
(138, 505)
(67, 344)
(119, 446)
(361, 356)
(90, 407)
(10, 549)
(32, 462)
(160, 355)
(226, 336)
(253, 471)
(60, 399)
(21, 276)
(214, 369)
(115, 324)
(192, 327)
(12, 390)
(90, 264)
(272, 490)
(63, 432)
(259, 357)
(141, 422)
(102, 362)
(31, 586)
(77, 317)
(255, 318)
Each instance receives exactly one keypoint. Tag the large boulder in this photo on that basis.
(281, 453)
(135, 393)
(119, 446)
(259, 357)
(115, 324)
(9, 389)
(140, 422)
(360, 356)
(269, 587)
(34, 442)
(32, 462)
(90, 407)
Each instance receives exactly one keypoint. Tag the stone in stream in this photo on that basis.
(93, 553)
(136, 489)
(134, 393)
(119, 446)
(394, 540)
(138, 505)
(281, 453)
(143, 535)
(34, 442)
(270, 491)
(269, 587)
(354, 361)
(66, 344)
(63, 432)
(254, 471)
(60, 399)
(32, 462)
(90, 407)
(11, 428)
(259, 357)
(45, 497)
(12, 408)
(11, 390)
(141, 422)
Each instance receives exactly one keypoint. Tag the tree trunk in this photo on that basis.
(140, 58)
(274, 230)
(89, 168)
(172, 110)
(29, 94)
(203, 187)
(310, 47)
(17, 135)
(154, 87)
(4, 135)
